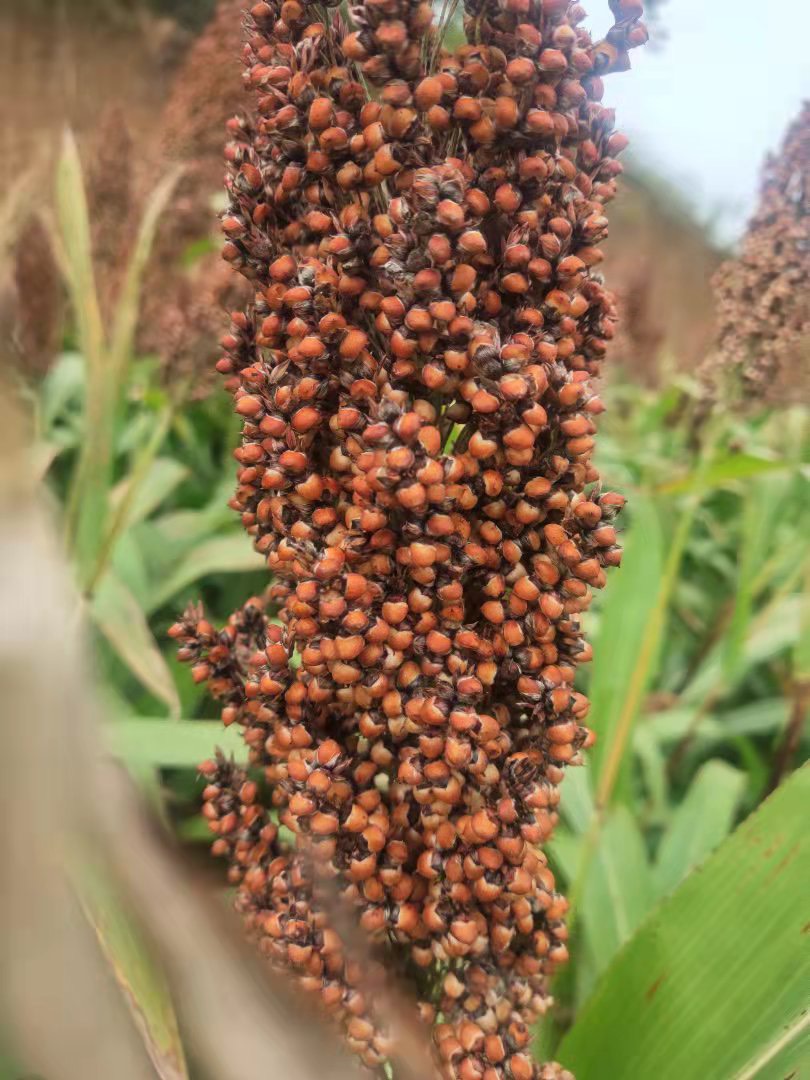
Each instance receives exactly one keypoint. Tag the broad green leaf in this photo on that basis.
(576, 806)
(626, 647)
(754, 764)
(139, 426)
(618, 890)
(160, 555)
(162, 477)
(566, 992)
(137, 497)
(714, 983)
(760, 510)
(129, 565)
(699, 824)
(74, 248)
(219, 555)
(780, 562)
(143, 743)
(755, 530)
(653, 766)
(121, 620)
(87, 499)
(191, 526)
(564, 850)
(107, 355)
(756, 718)
(139, 976)
(585, 976)
(801, 650)
(62, 386)
(661, 404)
(166, 539)
(785, 1059)
(186, 528)
(773, 630)
(723, 470)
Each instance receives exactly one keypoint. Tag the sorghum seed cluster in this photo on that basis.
(415, 381)
(763, 295)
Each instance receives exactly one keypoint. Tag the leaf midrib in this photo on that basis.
(774, 1047)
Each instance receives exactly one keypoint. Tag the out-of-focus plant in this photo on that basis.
(31, 290)
(107, 354)
(106, 936)
(698, 676)
(713, 983)
(114, 451)
(189, 290)
(763, 293)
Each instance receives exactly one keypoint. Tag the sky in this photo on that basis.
(713, 96)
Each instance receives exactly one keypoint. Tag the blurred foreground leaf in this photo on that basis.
(141, 981)
(714, 983)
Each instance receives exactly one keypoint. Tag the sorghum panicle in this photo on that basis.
(763, 295)
(32, 301)
(185, 308)
(113, 203)
(414, 377)
(205, 92)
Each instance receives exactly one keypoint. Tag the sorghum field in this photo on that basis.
(404, 514)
